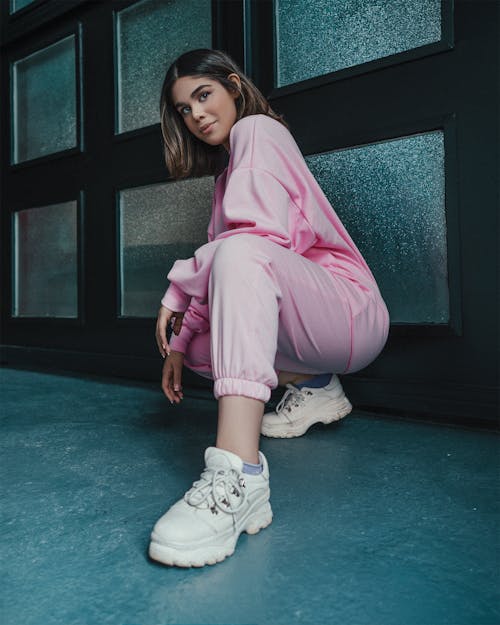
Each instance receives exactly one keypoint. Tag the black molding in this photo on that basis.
(447, 124)
(423, 400)
(48, 322)
(33, 17)
(33, 47)
(260, 57)
(118, 250)
(228, 33)
(433, 400)
(80, 207)
(430, 370)
(445, 44)
(128, 366)
(453, 230)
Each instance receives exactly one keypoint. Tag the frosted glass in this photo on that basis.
(150, 36)
(45, 261)
(44, 101)
(15, 5)
(316, 37)
(159, 224)
(391, 198)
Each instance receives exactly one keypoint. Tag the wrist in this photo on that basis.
(180, 342)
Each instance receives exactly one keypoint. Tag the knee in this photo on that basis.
(236, 245)
(235, 252)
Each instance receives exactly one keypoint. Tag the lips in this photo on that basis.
(207, 128)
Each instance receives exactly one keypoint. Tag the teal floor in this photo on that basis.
(377, 521)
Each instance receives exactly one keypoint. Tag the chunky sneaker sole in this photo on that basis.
(203, 554)
(204, 526)
(299, 409)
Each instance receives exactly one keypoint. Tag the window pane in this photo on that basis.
(45, 261)
(391, 198)
(150, 36)
(15, 5)
(159, 224)
(44, 101)
(316, 37)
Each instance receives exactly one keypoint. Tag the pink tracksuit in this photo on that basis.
(280, 286)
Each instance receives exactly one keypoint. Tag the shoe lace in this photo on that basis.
(218, 489)
(293, 397)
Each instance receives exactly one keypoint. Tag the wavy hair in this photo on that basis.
(185, 154)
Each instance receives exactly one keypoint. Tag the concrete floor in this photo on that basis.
(377, 521)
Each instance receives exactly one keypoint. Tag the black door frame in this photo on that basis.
(440, 372)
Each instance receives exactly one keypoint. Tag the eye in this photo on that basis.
(204, 93)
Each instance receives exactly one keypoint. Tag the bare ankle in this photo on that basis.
(239, 424)
(246, 455)
(302, 378)
(286, 377)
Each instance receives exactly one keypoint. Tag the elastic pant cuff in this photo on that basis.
(236, 386)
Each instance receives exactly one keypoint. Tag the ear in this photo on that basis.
(237, 82)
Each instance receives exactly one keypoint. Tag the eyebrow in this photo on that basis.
(192, 95)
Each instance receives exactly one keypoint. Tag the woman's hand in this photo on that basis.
(171, 378)
(164, 316)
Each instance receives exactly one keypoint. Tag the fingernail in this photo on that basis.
(176, 387)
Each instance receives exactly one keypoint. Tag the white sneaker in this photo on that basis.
(204, 526)
(301, 408)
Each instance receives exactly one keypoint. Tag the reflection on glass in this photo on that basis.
(44, 101)
(391, 198)
(45, 261)
(316, 37)
(159, 224)
(150, 36)
(16, 5)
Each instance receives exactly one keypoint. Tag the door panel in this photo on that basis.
(397, 119)
(395, 110)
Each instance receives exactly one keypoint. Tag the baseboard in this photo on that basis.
(107, 365)
(438, 402)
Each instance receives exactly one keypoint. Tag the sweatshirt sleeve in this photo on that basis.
(195, 321)
(175, 299)
(255, 203)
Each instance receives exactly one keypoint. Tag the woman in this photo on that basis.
(279, 295)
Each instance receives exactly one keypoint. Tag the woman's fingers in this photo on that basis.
(178, 323)
(171, 379)
(177, 380)
(164, 315)
(172, 367)
(163, 346)
(166, 381)
(177, 375)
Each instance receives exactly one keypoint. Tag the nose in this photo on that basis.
(197, 110)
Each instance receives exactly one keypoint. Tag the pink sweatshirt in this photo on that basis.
(267, 190)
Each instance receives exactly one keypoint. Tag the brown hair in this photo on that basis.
(185, 154)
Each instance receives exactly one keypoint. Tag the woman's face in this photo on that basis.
(205, 103)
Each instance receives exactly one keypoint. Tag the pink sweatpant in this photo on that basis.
(273, 310)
